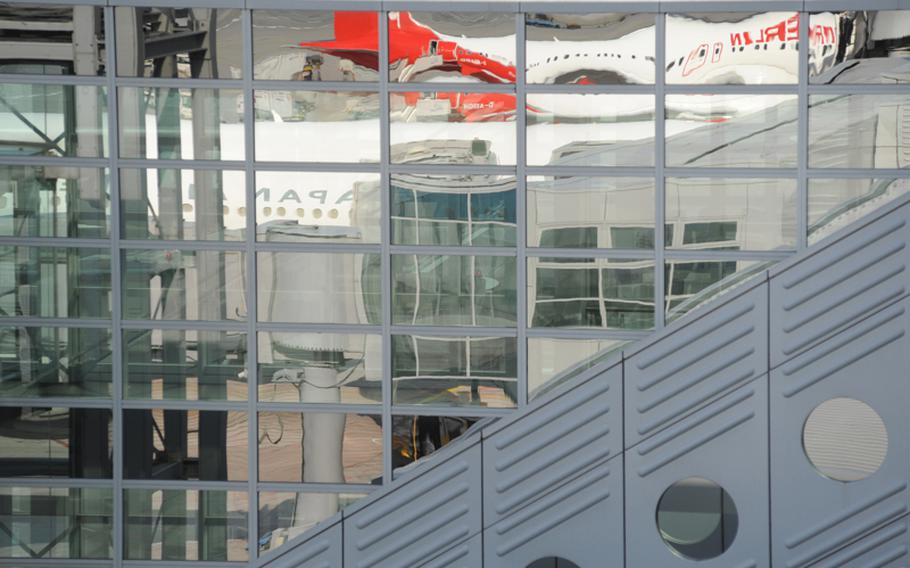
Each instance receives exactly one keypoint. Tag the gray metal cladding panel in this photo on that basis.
(725, 442)
(814, 515)
(841, 283)
(440, 507)
(552, 444)
(888, 547)
(321, 550)
(581, 521)
(696, 364)
(465, 554)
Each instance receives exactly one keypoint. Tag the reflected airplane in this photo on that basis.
(758, 49)
(357, 38)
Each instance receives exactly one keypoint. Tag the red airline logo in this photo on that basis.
(785, 30)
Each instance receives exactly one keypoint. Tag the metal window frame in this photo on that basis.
(247, 85)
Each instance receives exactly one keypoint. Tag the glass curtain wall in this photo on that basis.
(255, 263)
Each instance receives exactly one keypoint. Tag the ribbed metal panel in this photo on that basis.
(829, 290)
(695, 364)
(888, 547)
(725, 442)
(550, 490)
(433, 511)
(465, 554)
(524, 461)
(814, 516)
(580, 521)
(319, 550)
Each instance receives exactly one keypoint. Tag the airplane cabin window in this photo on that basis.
(738, 30)
(212, 204)
(607, 36)
(351, 199)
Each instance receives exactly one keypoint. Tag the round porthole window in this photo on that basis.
(845, 439)
(553, 562)
(697, 518)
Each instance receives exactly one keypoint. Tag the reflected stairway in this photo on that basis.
(722, 393)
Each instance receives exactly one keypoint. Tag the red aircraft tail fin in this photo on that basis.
(355, 25)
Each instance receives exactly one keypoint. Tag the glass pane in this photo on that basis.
(177, 524)
(731, 131)
(55, 362)
(858, 131)
(416, 437)
(452, 46)
(835, 203)
(551, 359)
(320, 367)
(54, 202)
(732, 48)
(452, 128)
(188, 205)
(42, 120)
(55, 282)
(591, 292)
(864, 46)
(590, 212)
(590, 130)
(317, 126)
(56, 522)
(177, 364)
(330, 46)
(732, 214)
(180, 124)
(55, 442)
(697, 519)
(210, 445)
(453, 290)
(476, 210)
(690, 283)
(286, 515)
(317, 447)
(315, 207)
(319, 287)
(41, 40)
(183, 285)
(454, 371)
(181, 42)
(590, 49)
